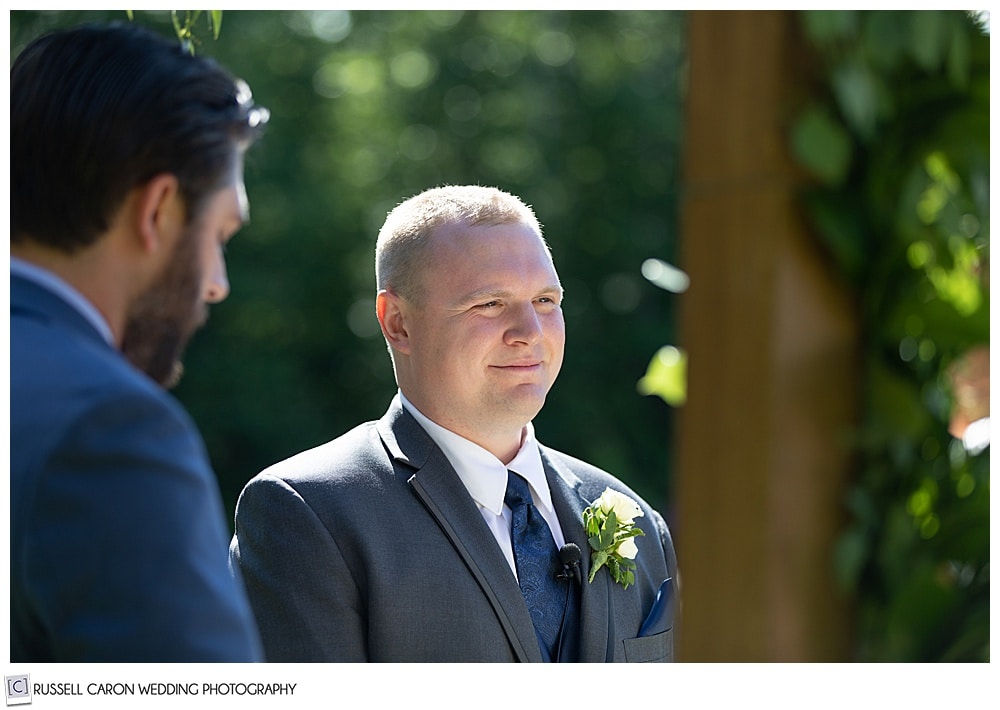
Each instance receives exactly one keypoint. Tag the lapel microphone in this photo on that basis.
(570, 556)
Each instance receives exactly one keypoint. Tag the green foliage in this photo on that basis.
(185, 28)
(899, 145)
(577, 112)
(666, 376)
(604, 534)
(822, 144)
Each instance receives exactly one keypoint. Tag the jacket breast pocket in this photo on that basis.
(658, 648)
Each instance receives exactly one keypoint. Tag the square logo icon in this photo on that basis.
(18, 689)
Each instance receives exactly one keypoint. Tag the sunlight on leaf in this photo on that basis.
(215, 21)
(666, 376)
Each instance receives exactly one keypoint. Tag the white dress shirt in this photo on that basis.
(50, 282)
(485, 477)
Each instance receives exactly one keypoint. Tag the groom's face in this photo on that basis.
(487, 338)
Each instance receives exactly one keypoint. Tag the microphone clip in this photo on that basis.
(570, 556)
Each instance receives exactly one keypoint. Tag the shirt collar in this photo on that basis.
(484, 475)
(50, 282)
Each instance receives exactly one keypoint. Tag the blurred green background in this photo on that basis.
(578, 113)
(897, 137)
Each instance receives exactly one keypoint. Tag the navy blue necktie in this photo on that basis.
(537, 562)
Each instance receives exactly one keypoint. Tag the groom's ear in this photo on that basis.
(392, 318)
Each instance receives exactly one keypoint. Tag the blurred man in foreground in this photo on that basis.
(126, 184)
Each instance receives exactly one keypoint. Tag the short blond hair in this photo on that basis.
(401, 248)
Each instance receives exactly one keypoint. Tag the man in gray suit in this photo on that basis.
(126, 182)
(445, 531)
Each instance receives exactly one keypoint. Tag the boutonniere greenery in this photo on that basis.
(610, 529)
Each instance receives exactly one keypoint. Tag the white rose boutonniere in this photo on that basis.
(610, 526)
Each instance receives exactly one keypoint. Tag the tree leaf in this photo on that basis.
(822, 145)
(215, 22)
(857, 92)
(666, 376)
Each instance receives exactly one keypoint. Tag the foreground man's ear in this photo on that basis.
(160, 213)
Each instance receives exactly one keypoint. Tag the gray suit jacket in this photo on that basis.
(369, 548)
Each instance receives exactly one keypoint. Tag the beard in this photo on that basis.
(161, 322)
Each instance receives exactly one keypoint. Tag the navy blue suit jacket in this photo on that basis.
(118, 540)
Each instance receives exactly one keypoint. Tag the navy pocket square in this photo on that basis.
(660, 617)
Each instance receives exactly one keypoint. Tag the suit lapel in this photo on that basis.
(443, 494)
(596, 616)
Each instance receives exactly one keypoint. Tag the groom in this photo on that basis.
(445, 531)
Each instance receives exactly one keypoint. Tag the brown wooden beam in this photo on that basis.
(772, 340)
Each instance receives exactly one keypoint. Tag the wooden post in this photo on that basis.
(772, 341)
